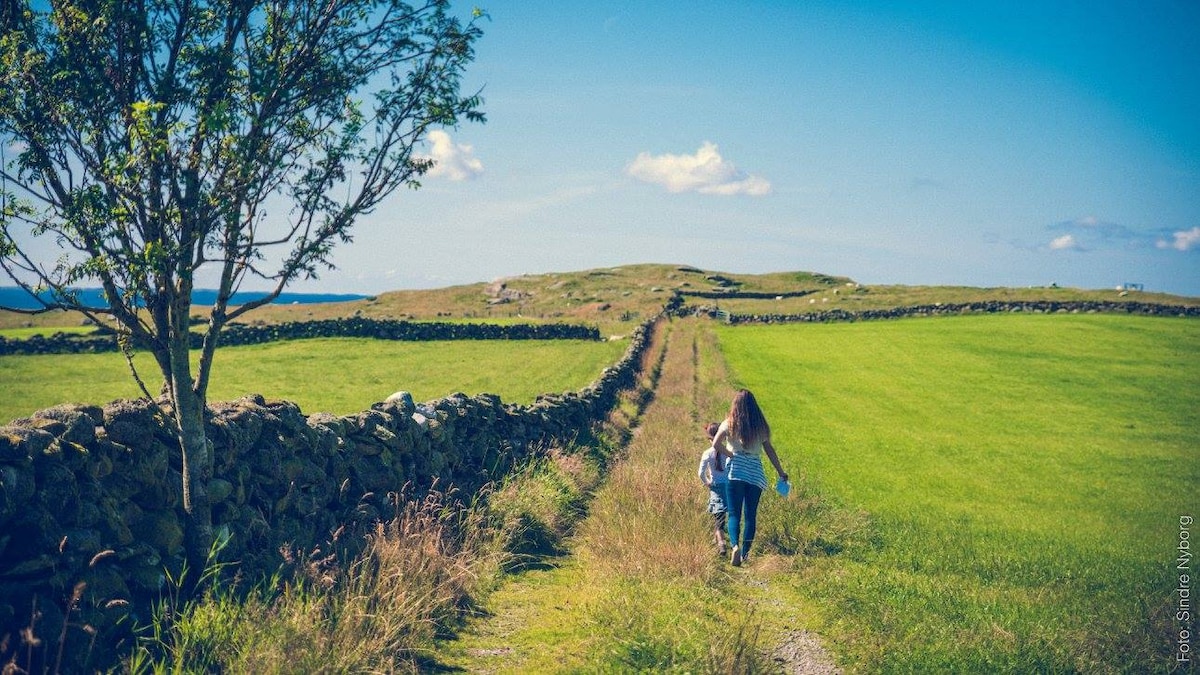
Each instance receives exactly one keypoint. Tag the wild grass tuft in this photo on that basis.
(539, 504)
(810, 524)
(670, 626)
(647, 521)
(379, 613)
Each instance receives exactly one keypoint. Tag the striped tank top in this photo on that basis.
(746, 463)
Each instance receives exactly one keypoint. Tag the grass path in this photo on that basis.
(642, 587)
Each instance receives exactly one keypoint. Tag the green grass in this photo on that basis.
(44, 331)
(338, 375)
(1024, 477)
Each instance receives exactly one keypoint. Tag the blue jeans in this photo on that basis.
(742, 502)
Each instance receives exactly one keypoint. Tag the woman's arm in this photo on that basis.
(771, 455)
(719, 441)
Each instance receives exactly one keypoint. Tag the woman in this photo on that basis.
(743, 437)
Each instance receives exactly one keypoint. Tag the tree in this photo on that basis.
(148, 138)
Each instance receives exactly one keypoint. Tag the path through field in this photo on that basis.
(643, 584)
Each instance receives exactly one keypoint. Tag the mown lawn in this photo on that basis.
(1024, 478)
(338, 375)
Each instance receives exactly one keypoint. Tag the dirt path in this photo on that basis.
(542, 620)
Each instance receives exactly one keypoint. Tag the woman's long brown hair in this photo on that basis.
(746, 420)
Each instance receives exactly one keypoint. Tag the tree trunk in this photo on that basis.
(197, 470)
(197, 463)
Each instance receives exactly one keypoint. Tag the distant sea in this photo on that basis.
(16, 298)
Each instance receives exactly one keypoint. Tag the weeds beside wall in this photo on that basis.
(93, 495)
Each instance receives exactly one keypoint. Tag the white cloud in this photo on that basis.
(1185, 240)
(705, 172)
(451, 161)
(1067, 242)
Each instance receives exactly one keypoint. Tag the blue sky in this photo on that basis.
(970, 143)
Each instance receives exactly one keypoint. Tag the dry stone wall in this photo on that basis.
(745, 295)
(948, 309)
(103, 340)
(93, 494)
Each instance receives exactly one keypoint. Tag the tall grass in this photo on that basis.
(662, 602)
(1023, 478)
(636, 522)
(378, 613)
(539, 504)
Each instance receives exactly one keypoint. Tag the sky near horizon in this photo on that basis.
(982, 143)
(967, 143)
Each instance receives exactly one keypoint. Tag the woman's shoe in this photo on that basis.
(735, 558)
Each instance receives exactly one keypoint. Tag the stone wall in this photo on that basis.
(948, 309)
(744, 295)
(93, 494)
(241, 334)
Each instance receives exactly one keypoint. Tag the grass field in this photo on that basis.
(1024, 478)
(45, 331)
(338, 375)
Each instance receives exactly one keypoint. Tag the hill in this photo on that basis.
(615, 297)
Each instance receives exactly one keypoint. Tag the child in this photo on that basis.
(714, 474)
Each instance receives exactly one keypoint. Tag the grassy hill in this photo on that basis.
(613, 297)
(606, 296)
